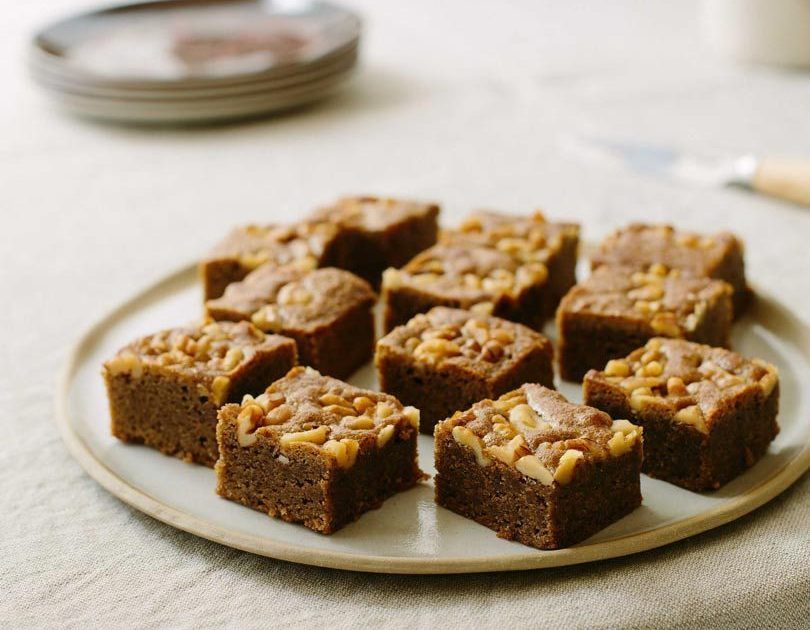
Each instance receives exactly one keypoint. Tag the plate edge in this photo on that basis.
(629, 545)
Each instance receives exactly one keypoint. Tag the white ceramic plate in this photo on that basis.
(195, 43)
(202, 110)
(54, 80)
(409, 534)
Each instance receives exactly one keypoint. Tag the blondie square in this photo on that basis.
(511, 267)
(375, 233)
(617, 309)
(302, 246)
(448, 359)
(708, 414)
(165, 389)
(531, 239)
(538, 469)
(316, 451)
(718, 256)
(327, 311)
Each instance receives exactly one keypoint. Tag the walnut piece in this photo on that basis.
(530, 466)
(385, 435)
(219, 389)
(436, 350)
(267, 318)
(344, 451)
(467, 438)
(126, 363)
(565, 468)
(312, 436)
(694, 416)
(625, 435)
(508, 453)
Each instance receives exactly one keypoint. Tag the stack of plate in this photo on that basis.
(181, 61)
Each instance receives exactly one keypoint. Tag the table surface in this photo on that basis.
(455, 102)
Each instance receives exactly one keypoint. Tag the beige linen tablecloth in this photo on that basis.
(460, 103)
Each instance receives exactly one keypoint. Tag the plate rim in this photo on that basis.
(532, 559)
(47, 80)
(37, 47)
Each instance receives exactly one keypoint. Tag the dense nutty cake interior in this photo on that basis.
(447, 359)
(708, 413)
(538, 469)
(617, 309)
(315, 450)
(165, 389)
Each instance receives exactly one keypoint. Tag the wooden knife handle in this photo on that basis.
(784, 178)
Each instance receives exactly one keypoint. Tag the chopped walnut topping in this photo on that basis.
(483, 308)
(344, 451)
(219, 389)
(126, 363)
(467, 438)
(544, 438)
(392, 279)
(617, 368)
(673, 374)
(279, 415)
(359, 422)
(565, 469)
(508, 401)
(314, 436)
(412, 414)
(293, 294)
(666, 324)
(502, 257)
(435, 350)
(624, 437)
(385, 435)
(474, 338)
(692, 415)
(232, 358)
(212, 347)
(255, 245)
(670, 303)
(530, 466)
(509, 453)
(676, 386)
(363, 403)
(308, 408)
(523, 417)
(246, 424)
(267, 318)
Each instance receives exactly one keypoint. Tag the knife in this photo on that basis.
(783, 178)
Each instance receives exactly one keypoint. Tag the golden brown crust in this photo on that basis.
(254, 245)
(478, 344)
(692, 383)
(641, 245)
(309, 409)
(280, 299)
(374, 214)
(539, 422)
(531, 236)
(208, 349)
(663, 300)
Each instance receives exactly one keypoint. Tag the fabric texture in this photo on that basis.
(464, 103)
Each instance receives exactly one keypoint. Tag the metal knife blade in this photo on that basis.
(660, 161)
